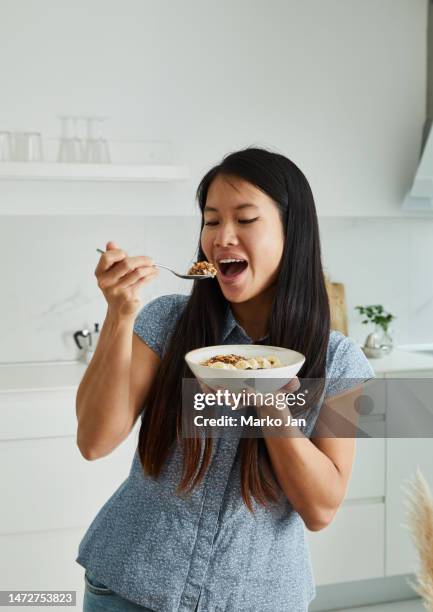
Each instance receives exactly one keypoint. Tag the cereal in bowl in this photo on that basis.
(238, 362)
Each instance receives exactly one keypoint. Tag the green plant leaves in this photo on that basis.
(376, 314)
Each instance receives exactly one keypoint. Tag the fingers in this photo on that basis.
(108, 259)
(120, 277)
(133, 278)
(115, 264)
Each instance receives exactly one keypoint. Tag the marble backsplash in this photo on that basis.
(49, 289)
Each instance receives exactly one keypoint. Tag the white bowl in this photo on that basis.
(271, 379)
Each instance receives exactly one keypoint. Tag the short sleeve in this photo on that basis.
(346, 367)
(157, 320)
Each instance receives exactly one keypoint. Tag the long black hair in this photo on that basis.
(299, 320)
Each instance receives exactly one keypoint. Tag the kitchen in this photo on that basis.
(340, 88)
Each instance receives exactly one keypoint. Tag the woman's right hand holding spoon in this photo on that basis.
(120, 278)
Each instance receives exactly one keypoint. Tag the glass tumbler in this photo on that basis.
(5, 146)
(28, 147)
(70, 145)
(96, 146)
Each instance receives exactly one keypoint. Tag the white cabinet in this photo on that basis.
(37, 414)
(49, 492)
(403, 456)
(351, 547)
(42, 560)
(368, 537)
(368, 474)
(50, 486)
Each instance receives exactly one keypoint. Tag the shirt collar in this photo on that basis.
(230, 323)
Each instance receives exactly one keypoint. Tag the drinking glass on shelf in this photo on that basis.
(27, 146)
(96, 146)
(78, 141)
(5, 146)
(71, 145)
(34, 147)
(64, 154)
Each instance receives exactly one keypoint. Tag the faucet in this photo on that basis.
(89, 348)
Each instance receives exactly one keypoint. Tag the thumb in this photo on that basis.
(112, 245)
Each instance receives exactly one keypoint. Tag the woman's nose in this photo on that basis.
(226, 235)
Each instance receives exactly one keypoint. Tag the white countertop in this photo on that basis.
(401, 361)
(41, 376)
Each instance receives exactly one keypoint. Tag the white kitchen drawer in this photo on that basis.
(37, 414)
(351, 547)
(368, 475)
(42, 561)
(48, 484)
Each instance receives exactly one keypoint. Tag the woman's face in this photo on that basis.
(243, 223)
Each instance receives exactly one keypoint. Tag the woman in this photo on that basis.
(217, 525)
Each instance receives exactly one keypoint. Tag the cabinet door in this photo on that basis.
(368, 474)
(404, 455)
(41, 561)
(37, 414)
(352, 546)
(49, 485)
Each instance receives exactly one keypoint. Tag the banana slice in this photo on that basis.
(274, 361)
(243, 364)
(264, 363)
(219, 365)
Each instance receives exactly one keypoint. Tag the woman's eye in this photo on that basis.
(210, 222)
(248, 220)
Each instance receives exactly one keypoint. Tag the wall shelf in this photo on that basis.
(51, 171)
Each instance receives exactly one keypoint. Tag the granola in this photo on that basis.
(239, 362)
(201, 268)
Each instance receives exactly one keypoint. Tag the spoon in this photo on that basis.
(187, 276)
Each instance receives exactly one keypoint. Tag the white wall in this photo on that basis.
(337, 86)
(384, 261)
(49, 290)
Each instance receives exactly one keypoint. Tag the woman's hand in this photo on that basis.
(121, 277)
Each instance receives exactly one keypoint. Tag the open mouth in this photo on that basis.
(230, 268)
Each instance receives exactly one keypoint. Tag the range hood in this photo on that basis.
(420, 196)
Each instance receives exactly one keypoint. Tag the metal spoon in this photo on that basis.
(187, 276)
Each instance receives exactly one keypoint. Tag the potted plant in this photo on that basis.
(379, 342)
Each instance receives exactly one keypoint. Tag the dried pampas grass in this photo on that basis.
(420, 523)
